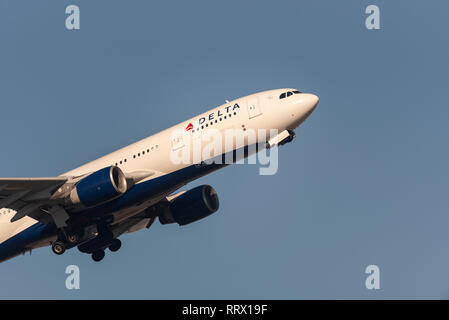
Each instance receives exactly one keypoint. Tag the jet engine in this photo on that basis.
(99, 187)
(191, 206)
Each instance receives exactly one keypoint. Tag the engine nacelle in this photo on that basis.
(191, 206)
(99, 187)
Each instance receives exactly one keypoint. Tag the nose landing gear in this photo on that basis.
(282, 138)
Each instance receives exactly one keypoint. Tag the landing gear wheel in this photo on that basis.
(58, 247)
(115, 245)
(98, 255)
(72, 238)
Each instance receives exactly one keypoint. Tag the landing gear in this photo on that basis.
(115, 245)
(66, 240)
(72, 238)
(292, 135)
(98, 255)
(58, 247)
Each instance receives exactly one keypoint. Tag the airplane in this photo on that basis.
(91, 206)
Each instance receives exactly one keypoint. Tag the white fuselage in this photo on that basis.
(264, 110)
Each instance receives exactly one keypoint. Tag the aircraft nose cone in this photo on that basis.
(311, 101)
(303, 107)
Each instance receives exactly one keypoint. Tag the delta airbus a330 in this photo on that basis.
(125, 191)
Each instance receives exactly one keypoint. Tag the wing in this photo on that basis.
(27, 195)
(38, 197)
(11, 184)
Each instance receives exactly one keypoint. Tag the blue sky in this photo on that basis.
(365, 182)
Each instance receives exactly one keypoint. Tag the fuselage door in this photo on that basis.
(253, 106)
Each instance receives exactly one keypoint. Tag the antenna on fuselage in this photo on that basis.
(226, 101)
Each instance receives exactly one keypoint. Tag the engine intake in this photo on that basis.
(191, 206)
(101, 186)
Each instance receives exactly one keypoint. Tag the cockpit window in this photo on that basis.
(288, 94)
